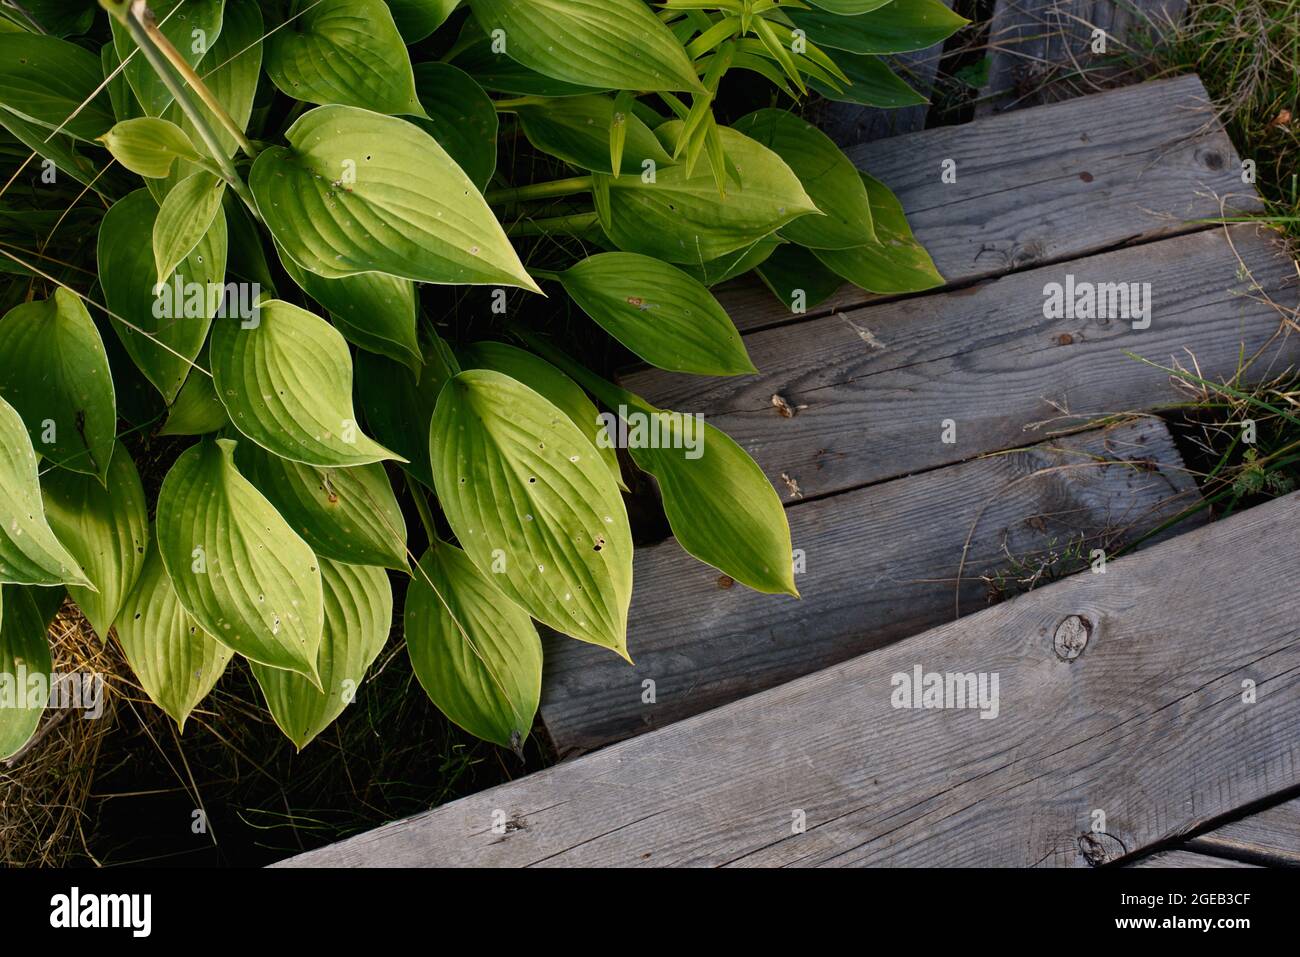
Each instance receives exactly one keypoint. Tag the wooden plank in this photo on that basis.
(881, 563)
(1040, 51)
(1270, 837)
(1042, 185)
(850, 124)
(875, 388)
(1145, 723)
(1186, 859)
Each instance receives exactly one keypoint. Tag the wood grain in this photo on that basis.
(1046, 184)
(1148, 725)
(881, 563)
(874, 387)
(1269, 837)
(1180, 858)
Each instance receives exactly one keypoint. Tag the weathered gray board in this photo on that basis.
(1047, 184)
(1271, 836)
(1146, 724)
(1187, 859)
(875, 387)
(881, 564)
(1041, 51)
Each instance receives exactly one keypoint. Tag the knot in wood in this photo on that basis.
(1071, 637)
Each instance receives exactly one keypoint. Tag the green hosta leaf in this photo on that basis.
(49, 602)
(500, 74)
(477, 655)
(58, 17)
(798, 278)
(358, 614)
(24, 654)
(178, 20)
(46, 80)
(418, 18)
(553, 385)
(54, 371)
(177, 662)
(399, 404)
(662, 314)
(241, 572)
(898, 27)
(61, 151)
(873, 84)
(197, 410)
(524, 493)
(461, 118)
(682, 219)
(577, 130)
(348, 515)
(895, 264)
(106, 528)
(343, 51)
(373, 311)
(720, 505)
(734, 264)
(410, 212)
(149, 146)
(287, 385)
(848, 8)
(600, 43)
(827, 174)
(184, 218)
(167, 327)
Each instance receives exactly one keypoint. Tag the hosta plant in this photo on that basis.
(284, 276)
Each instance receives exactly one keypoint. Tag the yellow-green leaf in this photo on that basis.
(349, 515)
(177, 662)
(617, 44)
(30, 554)
(360, 192)
(661, 313)
(286, 382)
(24, 654)
(529, 499)
(826, 173)
(149, 146)
(476, 654)
(358, 615)
(343, 51)
(54, 371)
(106, 528)
(238, 568)
(184, 218)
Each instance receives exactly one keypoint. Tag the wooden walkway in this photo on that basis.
(772, 738)
(1142, 726)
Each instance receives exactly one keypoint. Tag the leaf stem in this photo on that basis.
(506, 106)
(579, 223)
(228, 172)
(140, 12)
(551, 190)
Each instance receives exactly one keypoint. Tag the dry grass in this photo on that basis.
(45, 789)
